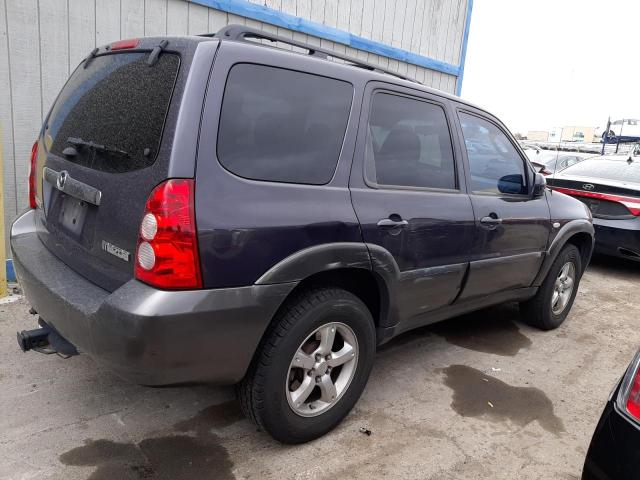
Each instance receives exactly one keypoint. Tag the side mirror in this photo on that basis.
(513, 184)
(539, 185)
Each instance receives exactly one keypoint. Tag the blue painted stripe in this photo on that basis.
(298, 24)
(11, 273)
(465, 41)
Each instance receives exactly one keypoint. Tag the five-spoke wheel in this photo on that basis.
(322, 369)
(563, 288)
(311, 366)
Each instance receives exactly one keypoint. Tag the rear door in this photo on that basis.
(100, 154)
(511, 227)
(408, 192)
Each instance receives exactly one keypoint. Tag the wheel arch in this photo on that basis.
(346, 265)
(577, 232)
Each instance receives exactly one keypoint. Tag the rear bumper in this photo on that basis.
(618, 237)
(148, 336)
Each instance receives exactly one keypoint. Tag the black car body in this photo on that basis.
(195, 199)
(614, 453)
(610, 187)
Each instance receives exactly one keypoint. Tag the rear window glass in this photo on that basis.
(118, 102)
(619, 171)
(282, 126)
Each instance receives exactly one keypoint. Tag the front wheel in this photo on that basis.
(551, 305)
(311, 367)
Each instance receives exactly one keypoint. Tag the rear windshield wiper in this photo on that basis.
(78, 142)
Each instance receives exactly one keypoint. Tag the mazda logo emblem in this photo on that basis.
(588, 186)
(62, 179)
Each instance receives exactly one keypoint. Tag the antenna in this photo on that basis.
(605, 135)
(555, 162)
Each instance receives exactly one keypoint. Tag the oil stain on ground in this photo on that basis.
(215, 416)
(478, 395)
(195, 452)
(487, 331)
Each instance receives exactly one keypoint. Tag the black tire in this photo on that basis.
(262, 393)
(538, 311)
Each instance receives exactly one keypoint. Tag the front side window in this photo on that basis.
(282, 126)
(408, 144)
(494, 163)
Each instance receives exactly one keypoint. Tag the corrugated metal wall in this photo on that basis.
(42, 41)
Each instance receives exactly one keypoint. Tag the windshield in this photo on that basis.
(112, 112)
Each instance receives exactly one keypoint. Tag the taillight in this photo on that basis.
(629, 395)
(632, 203)
(33, 167)
(125, 44)
(167, 253)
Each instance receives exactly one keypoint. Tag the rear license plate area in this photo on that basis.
(72, 215)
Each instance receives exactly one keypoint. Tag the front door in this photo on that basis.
(512, 227)
(406, 190)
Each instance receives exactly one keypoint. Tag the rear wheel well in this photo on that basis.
(364, 284)
(584, 242)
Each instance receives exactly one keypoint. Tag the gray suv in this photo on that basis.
(212, 209)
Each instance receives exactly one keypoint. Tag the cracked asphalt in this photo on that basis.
(477, 396)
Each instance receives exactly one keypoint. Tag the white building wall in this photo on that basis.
(42, 41)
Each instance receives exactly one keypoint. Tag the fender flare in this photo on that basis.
(319, 258)
(331, 256)
(566, 232)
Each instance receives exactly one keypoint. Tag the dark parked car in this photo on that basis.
(614, 453)
(217, 210)
(610, 187)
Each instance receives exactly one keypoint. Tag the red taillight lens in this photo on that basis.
(124, 44)
(632, 203)
(633, 402)
(33, 166)
(629, 395)
(167, 254)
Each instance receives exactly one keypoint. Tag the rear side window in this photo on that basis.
(409, 144)
(494, 163)
(118, 102)
(282, 126)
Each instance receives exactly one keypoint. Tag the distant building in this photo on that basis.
(538, 135)
(578, 134)
(572, 134)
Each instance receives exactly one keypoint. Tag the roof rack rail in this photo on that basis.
(242, 32)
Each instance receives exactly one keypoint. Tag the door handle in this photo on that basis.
(490, 221)
(389, 223)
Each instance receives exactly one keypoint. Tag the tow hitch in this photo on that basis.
(45, 340)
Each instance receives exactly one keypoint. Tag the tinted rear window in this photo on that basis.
(409, 144)
(619, 171)
(282, 126)
(118, 101)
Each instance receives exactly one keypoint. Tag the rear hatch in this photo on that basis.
(104, 146)
(609, 187)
